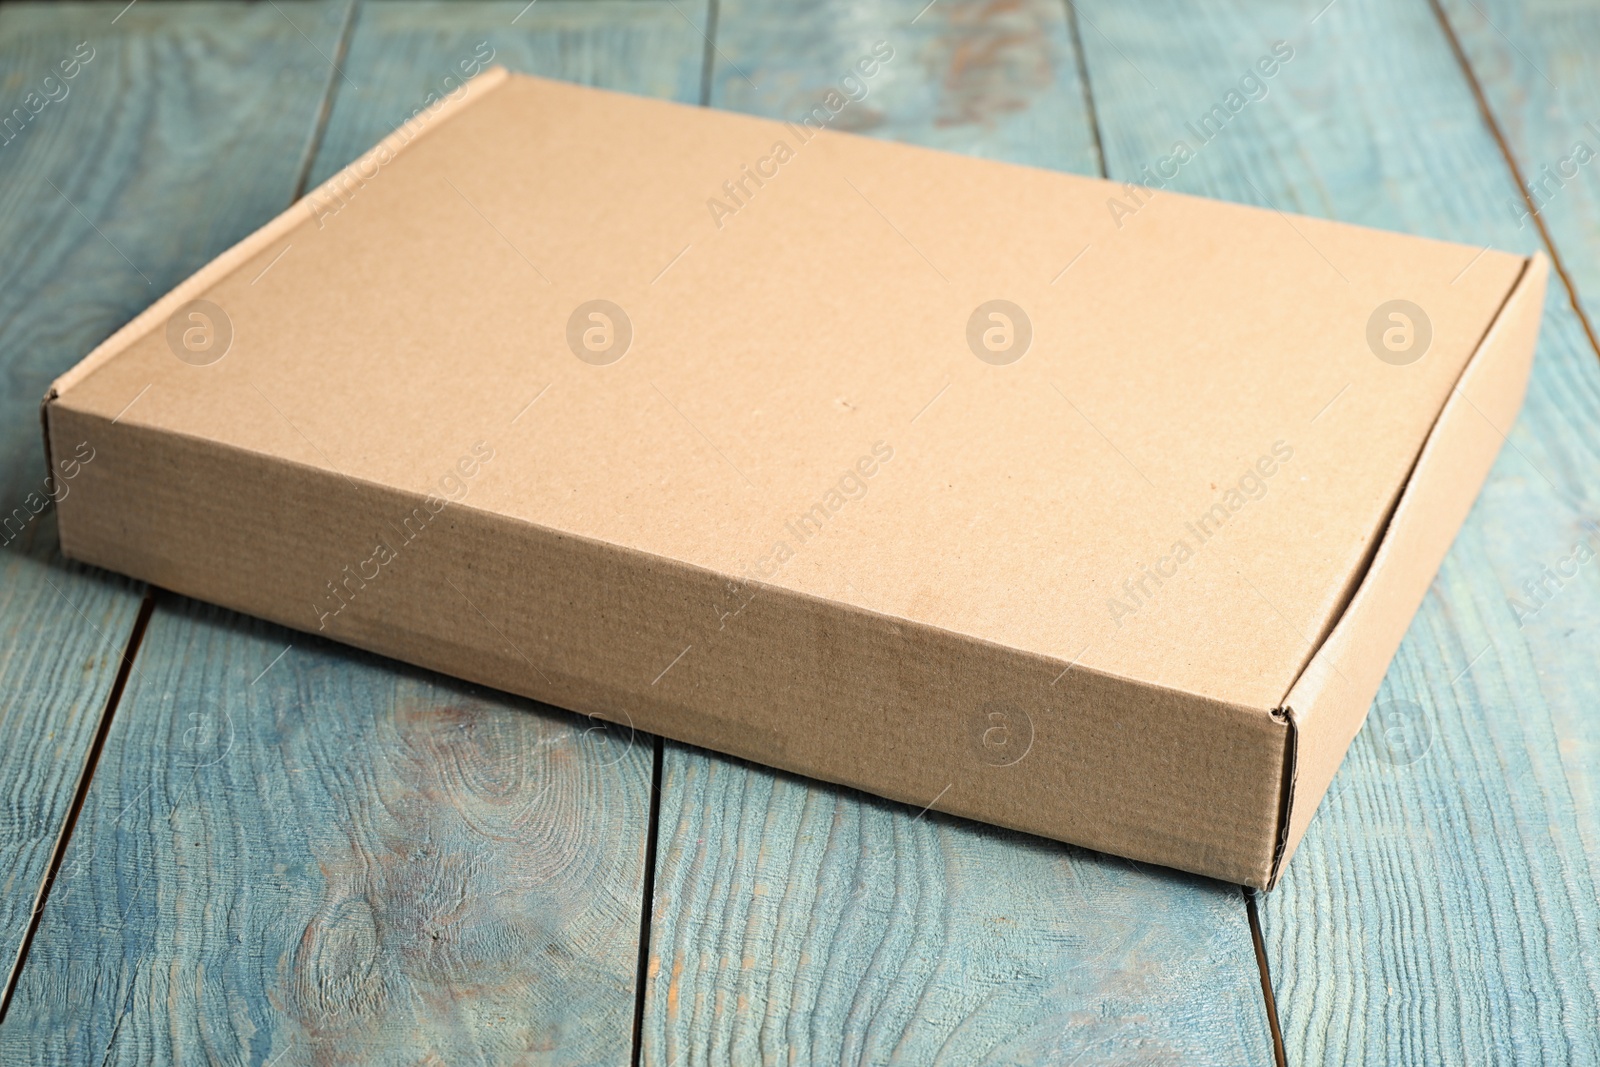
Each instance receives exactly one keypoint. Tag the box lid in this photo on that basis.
(1177, 354)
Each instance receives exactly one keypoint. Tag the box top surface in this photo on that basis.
(1177, 481)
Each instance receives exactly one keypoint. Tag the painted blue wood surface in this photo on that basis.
(996, 80)
(801, 923)
(62, 634)
(305, 855)
(97, 219)
(1442, 908)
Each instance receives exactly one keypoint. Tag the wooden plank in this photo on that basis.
(796, 922)
(62, 634)
(1536, 66)
(326, 857)
(1443, 906)
(98, 219)
(317, 856)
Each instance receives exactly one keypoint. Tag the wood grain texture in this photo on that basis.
(344, 860)
(330, 858)
(1537, 66)
(98, 219)
(991, 78)
(403, 50)
(62, 634)
(1443, 906)
(799, 923)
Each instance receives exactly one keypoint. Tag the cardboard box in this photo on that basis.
(1078, 508)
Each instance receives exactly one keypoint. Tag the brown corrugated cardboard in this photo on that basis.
(942, 478)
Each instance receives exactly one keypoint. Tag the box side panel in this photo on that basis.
(905, 711)
(1329, 701)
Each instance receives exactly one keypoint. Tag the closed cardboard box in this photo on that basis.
(1087, 510)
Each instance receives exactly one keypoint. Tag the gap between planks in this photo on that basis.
(1075, 34)
(319, 128)
(1278, 1053)
(85, 777)
(647, 906)
(1492, 121)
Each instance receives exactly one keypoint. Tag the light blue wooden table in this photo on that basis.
(222, 842)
